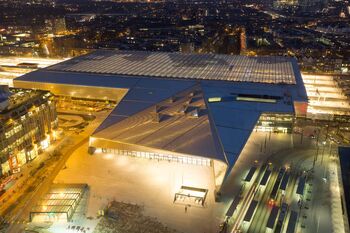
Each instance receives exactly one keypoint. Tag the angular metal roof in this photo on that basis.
(178, 124)
(269, 69)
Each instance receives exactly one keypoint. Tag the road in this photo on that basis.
(40, 190)
(19, 215)
(17, 202)
(29, 173)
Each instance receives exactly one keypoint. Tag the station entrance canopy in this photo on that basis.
(59, 204)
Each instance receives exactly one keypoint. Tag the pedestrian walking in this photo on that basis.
(186, 209)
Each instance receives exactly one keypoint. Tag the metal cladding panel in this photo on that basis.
(177, 132)
(216, 138)
(144, 94)
(172, 132)
(129, 108)
(250, 107)
(275, 108)
(233, 140)
(122, 111)
(82, 79)
(233, 127)
(234, 118)
(110, 120)
(152, 95)
(86, 92)
(167, 84)
(199, 141)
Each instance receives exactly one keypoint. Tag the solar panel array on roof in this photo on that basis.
(271, 69)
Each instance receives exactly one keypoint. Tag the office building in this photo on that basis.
(28, 120)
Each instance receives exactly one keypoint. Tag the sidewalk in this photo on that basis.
(336, 193)
(22, 179)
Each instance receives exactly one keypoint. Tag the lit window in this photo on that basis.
(214, 99)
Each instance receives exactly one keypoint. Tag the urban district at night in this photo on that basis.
(174, 116)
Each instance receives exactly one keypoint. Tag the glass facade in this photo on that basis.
(158, 156)
(278, 123)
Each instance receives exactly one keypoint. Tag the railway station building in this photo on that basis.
(197, 109)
